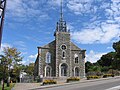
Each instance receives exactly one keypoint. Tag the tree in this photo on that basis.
(30, 69)
(13, 58)
(88, 66)
(107, 59)
(12, 55)
(116, 62)
(116, 46)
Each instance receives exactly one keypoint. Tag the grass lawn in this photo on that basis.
(7, 88)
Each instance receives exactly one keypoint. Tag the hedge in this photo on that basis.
(92, 77)
(46, 82)
(108, 75)
(73, 79)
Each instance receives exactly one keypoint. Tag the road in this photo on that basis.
(97, 85)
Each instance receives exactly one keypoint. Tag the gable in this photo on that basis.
(74, 47)
(50, 45)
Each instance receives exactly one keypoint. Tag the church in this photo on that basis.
(61, 57)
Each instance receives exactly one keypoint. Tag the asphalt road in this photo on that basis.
(97, 85)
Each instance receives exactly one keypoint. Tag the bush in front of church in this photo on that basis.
(92, 77)
(71, 79)
(47, 82)
(108, 75)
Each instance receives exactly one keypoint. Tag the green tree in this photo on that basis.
(88, 66)
(116, 46)
(12, 55)
(107, 59)
(13, 58)
(3, 67)
(116, 62)
(30, 69)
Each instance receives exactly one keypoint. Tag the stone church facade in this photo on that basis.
(61, 57)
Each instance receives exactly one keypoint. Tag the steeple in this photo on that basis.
(61, 25)
(61, 12)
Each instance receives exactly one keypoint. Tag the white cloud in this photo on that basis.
(70, 27)
(25, 9)
(80, 6)
(111, 48)
(97, 31)
(93, 56)
(33, 56)
(105, 34)
(86, 36)
(30, 59)
(20, 43)
(101, 29)
(54, 2)
(15, 7)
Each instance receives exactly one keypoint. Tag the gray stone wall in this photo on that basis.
(62, 38)
(56, 56)
(81, 55)
(51, 49)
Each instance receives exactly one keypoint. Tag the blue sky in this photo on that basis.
(94, 25)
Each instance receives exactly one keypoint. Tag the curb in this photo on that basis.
(57, 85)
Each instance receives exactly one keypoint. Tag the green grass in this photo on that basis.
(7, 88)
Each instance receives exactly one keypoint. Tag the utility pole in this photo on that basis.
(2, 16)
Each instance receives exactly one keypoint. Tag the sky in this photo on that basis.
(94, 25)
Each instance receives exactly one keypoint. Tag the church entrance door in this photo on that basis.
(64, 69)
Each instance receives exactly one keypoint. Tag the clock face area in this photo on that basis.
(63, 47)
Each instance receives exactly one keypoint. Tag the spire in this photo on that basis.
(61, 11)
(61, 25)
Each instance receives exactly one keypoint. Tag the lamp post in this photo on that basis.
(3, 62)
(112, 66)
(2, 16)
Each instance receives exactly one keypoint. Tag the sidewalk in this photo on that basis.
(25, 86)
(34, 86)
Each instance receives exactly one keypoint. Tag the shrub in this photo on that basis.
(108, 75)
(92, 77)
(73, 79)
(49, 82)
(115, 72)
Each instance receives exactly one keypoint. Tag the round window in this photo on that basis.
(63, 47)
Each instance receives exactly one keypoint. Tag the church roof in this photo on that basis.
(52, 45)
(49, 45)
(74, 47)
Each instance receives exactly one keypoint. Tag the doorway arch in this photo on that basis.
(48, 71)
(63, 69)
(76, 71)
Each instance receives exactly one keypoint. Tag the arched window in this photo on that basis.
(63, 54)
(48, 57)
(64, 68)
(76, 58)
(48, 71)
(77, 73)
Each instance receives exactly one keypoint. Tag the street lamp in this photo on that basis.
(3, 63)
(112, 66)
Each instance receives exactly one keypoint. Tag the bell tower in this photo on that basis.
(62, 38)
